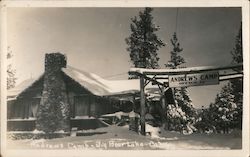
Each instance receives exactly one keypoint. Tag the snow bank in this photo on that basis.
(83, 117)
(23, 119)
(38, 132)
(153, 131)
(190, 146)
(116, 114)
(167, 140)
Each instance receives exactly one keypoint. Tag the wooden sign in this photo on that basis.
(197, 79)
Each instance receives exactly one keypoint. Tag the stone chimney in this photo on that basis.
(55, 61)
(53, 112)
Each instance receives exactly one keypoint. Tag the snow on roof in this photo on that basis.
(116, 114)
(99, 86)
(189, 69)
(93, 83)
(14, 92)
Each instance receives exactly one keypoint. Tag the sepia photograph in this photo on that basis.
(153, 78)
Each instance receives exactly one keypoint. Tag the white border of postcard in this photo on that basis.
(244, 4)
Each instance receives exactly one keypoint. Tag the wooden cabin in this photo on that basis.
(87, 95)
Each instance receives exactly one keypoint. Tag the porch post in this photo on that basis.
(142, 104)
(163, 105)
(133, 100)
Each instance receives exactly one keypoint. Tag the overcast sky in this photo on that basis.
(93, 39)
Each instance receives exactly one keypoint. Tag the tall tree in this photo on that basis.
(183, 103)
(11, 72)
(237, 50)
(237, 84)
(224, 110)
(205, 119)
(176, 58)
(143, 43)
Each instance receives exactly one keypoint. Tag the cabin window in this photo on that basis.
(24, 108)
(82, 104)
(19, 109)
(93, 107)
(10, 107)
(34, 107)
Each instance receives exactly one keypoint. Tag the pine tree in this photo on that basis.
(237, 84)
(183, 103)
(143, 42)
(11, 79)
(237, 50)
(224, 110)
(204, 122)
(176, 59)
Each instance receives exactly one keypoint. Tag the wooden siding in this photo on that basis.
(22, 111)
(34, 91)
(84, 103)
(24, 125)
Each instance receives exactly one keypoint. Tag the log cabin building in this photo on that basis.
(87, 96)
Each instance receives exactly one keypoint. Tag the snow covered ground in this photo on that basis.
(115, 137)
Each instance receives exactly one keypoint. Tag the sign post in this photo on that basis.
(142, 104)
(193, 76)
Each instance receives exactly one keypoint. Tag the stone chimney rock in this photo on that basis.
(55, 61)
(53, 112)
